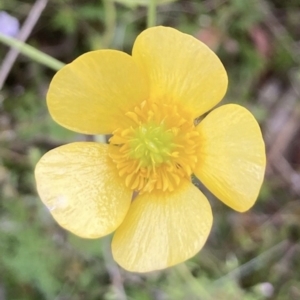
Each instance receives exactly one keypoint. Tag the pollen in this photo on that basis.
(158, 150)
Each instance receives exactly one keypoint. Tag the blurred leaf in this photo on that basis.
(27, 255)
(66, 18)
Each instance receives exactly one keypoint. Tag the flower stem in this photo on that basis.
(110, 22)
(32, 52)
(151, 20)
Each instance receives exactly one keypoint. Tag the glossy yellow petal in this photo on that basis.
(162, 229)
(181, 69)
(81, 189)
(91, 94)
(231, 161)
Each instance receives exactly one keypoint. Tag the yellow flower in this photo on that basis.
(149, 102)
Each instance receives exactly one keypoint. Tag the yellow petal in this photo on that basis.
(162, 229)
(91, 94)
(181, 69)
(81, 189)
(231, 161)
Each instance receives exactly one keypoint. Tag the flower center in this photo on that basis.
(158, 150)
(151, 144)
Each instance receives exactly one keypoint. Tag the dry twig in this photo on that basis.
(24, 33)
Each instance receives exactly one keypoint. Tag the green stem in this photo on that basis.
(110, 23)
(32, 52)
(151, 20)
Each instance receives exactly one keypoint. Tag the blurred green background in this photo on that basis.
(251, 256)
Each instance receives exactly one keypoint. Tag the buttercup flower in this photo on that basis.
(149, 102)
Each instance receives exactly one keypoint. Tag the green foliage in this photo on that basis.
(27, 254)
(133, 3)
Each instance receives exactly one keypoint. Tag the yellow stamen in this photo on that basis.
(158, 150)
